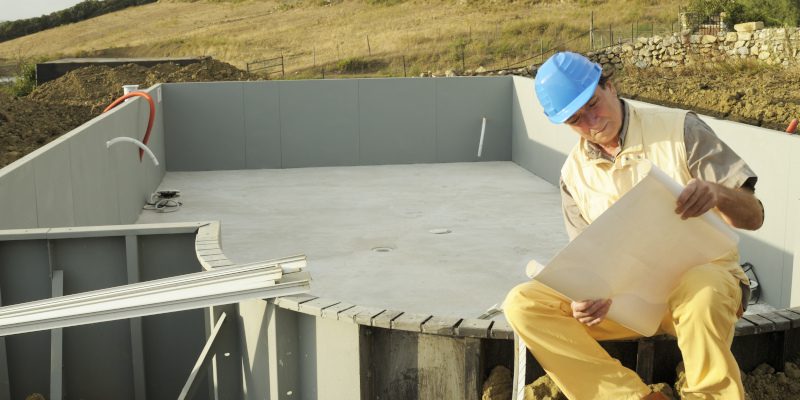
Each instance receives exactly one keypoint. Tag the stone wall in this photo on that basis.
(748, 41)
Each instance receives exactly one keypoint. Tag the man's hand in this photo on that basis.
(590, 312)
(739, 207)
(697, 198)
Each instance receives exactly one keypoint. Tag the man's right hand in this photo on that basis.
(590, 312)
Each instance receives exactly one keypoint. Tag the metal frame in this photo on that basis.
(198, 290)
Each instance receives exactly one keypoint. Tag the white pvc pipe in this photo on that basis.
(136, 142)
(483, 130)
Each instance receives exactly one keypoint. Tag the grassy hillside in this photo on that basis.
(313, 34)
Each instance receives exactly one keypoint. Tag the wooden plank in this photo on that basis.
(293, 302)
(206, 246)
(762, 324)
(219, 263)
(384, 320)
(350, 313)
(792, 316)
(744, 328)
(215, 257)
(410, 322)
(366, 315)
(473, 369)
(501, 330)
(474, 328)
(208, 252)
(333, 311)
(781, 323)
(645, 360)
(206, 242)
(315, 307)
(441, 325)
(57, 344)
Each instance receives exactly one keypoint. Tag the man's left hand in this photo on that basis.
(696, 198)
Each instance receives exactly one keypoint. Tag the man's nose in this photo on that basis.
(591, 119)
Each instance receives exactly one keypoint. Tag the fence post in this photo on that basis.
(404, 67)
(463, 63)
(591, 31)
(283, 71)
(541, 50)
(369, 49)
(631, 32)
(610, 36)
(315, 56)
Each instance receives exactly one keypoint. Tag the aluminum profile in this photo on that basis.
(218, 286)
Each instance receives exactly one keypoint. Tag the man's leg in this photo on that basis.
(567, 349)
(703, 308)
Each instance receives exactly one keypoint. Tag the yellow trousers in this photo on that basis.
(702, 315)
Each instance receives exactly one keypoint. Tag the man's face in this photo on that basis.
(600, 119)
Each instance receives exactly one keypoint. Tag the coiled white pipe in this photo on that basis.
(483, 130)
(137, 143)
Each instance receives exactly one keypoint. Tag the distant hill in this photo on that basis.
(79, 12)
(352, 37)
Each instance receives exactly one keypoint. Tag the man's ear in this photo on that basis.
(610, 86)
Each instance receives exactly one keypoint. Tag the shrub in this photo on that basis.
(25, 80)
(772, 12)
(354, 65)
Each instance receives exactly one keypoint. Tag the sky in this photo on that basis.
(20, 9)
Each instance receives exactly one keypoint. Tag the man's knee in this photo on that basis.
(531, 298)
(515, 301)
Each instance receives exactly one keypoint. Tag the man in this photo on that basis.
(704, 307)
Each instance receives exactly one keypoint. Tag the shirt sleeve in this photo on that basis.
(710, 159)
(573, 220)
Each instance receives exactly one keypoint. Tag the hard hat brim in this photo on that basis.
(574, 105)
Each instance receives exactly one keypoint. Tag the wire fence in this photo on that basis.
(465, 46)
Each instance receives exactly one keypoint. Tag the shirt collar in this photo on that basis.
(593, 151)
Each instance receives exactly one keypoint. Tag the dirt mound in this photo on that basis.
(766, 96)
(98, 86)
(26, 125)
(763, 383)
(61, 105)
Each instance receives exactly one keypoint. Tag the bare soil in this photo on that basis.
(754, 94)
(763, 383)
(58, 106)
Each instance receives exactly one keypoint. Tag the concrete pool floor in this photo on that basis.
(499, 216)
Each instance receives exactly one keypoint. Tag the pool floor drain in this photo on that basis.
(382, 249)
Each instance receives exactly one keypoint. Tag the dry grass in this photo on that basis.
(317, 33)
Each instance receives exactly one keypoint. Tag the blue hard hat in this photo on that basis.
(564, 83)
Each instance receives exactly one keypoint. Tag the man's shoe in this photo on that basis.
(655, 396)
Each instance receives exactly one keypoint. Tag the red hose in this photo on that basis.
(792, 126)
(149, 120)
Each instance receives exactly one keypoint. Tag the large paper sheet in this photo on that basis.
(636, 251)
